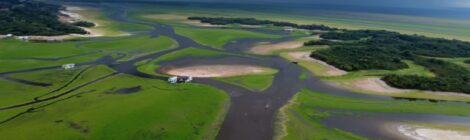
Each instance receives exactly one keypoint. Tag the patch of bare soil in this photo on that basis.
(206, 71)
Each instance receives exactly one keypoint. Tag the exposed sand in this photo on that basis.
(330, 70)
(376, 85)
(206, 71)
(423, 133)
(369, 84)
(269, 48)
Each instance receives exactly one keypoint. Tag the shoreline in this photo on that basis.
(420, 132)
(69, 15)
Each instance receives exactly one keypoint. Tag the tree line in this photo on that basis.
(253, 21)
(33, 18)
(377, 49)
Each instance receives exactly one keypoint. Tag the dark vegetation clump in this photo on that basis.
(33, 18)
(129, 90)
(467, 61)
(84, 24)
(319, 42)
(253, 21)
(361, 58)
(370, 49)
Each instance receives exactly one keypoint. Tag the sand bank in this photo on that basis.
(423, 133)
(269, 48)
(206, 71)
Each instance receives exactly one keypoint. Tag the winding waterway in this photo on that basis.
(251, 114)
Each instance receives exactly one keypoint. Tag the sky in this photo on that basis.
(426, 4)
(381, 3)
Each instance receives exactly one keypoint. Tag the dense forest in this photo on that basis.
(361, 58)
(467, 61)
(33, 18)
(375, 49)
(319, 42)
(84, 24)
(253, 21)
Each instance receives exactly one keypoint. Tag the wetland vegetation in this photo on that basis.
(118, 88)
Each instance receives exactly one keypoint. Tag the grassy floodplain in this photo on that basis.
(433, 27)
(217, 38)
(301, 118)
(150, 113)
(17, 55)
(100, 110)
(134, 47)
(97, 111)
(105, 26)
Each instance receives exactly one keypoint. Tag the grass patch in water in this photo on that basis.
(217, 38)
(258, 82)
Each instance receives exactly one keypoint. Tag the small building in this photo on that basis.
(180, 79)
(68, 66)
